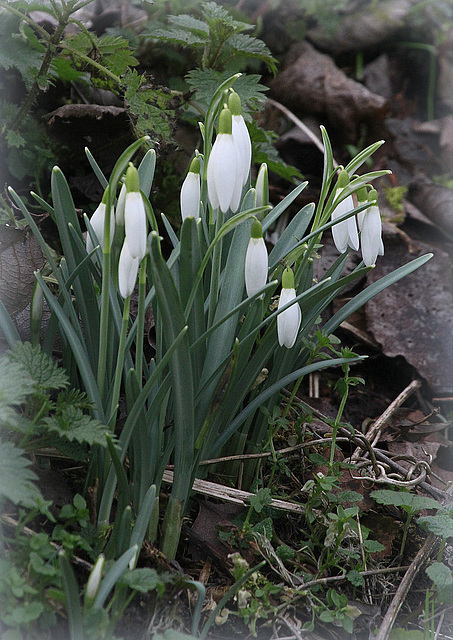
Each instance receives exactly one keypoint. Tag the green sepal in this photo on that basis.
(225, 121)
(195, 165)
(132, 179)
(257, 230)
(343, 179)
(234, 104)
(288, 279)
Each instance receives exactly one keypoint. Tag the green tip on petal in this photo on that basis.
(234, 103)
(372, 195)
(132, 179)
(105, 196)
(362, 194)
(225, 121)
(257, 230)
(288, 279)
(195, 165)
(343, 179)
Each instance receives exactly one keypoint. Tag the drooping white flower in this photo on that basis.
(371, 233)
(94, 580)
(256, 260)
(288, 322)
(345, 232)
(97, 221)
(119, 216)
(127, 270)
(190, 191)
(262, 186)
(135, 215)
(224, 181)
(241, 136)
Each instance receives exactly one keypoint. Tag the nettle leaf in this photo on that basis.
(45, 373)
(204, 82)
(216, 15)
(65, 70)
(408, 501)
(441, 524)
(185, 21)
(245, 45)
(177, 36)
(16, 479)
(14, 139)
(16, 52)
(15, 387)
(111, 51)
(71, 423)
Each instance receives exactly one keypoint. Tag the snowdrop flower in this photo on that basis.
(127, 270)
(119, 215)
(256, 260)
(262, 186)
(97, 222)
(94, 580)
(135, 215)
(288, 322)
(371, 232)
(345, 232)
(241, 136)
(190, 191)
(224, 181)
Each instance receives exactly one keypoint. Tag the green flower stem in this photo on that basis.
(339, 414)
(119, 363)
(215, 271)
(141, 322)
(104, 320)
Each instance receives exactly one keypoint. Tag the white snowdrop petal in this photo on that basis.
(97, 221)
(190, 196)
(127, 271)
(353, 236)
(371, 236)
(222, 173)
(243, 145)
(256, 265)
(288, 322)
(135, 224)
(344, 233)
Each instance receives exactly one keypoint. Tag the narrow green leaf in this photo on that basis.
(267, 393)
(73, 606)
(112, 576)
(362, 298)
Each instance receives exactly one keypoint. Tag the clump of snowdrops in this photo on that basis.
(233, 323)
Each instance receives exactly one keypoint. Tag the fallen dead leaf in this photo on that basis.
(413, 318)
(311, 82)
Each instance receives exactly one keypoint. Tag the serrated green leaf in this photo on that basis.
(14, 139)
(112, 52)
(173, 35)
(408, 501)
(145, 580)
(15, 387)
(440, 524)
(151, 107)
(40, 367)
(245, 45)
(16, 478)
(373, 546)
(71, 423)
(204, 82)
(16, 51)
(440, 574)
(355, 578)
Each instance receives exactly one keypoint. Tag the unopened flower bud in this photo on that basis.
(256, 261)
(288, 322)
